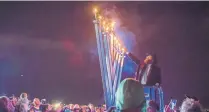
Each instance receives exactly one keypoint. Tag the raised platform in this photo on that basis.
(155, 94)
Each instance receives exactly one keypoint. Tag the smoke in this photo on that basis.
(127, 37)
(12, 42)
(120, 17)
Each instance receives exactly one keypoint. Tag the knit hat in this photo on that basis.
(130, 94)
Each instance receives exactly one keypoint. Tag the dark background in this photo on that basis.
(53, 45)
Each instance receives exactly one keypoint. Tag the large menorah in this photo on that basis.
(111, 56)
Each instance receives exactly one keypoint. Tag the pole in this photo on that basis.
(109, 90)
(100, 60)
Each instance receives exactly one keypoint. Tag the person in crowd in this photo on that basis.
(36, 105)
(130, 96)
(22, 103)
(76, 108)
(71, 106)
(191, 97)
(85, 108)
(103, 108)
(45, 108)
(14, 101)
(191, 105)
(91, 106)
(98, 109)
(43, 101)
(52, 111)
(6, 105)
(88, 109)
(152, 106)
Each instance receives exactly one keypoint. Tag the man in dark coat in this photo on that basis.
(149, 72)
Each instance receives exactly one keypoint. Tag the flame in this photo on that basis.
(117, 42)
(95, 10)
(115, 39)
(123, 50)
(104, 22)
(107, 28)
(100, 17)
(113, 24)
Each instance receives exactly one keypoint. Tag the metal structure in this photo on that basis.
(155, 94)
(111, 58)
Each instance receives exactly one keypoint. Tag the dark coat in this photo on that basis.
(153, 75)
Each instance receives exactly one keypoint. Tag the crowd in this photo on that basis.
(23, 104)
(129, 98)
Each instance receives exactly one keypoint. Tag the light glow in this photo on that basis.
(107, 29)
(56, 105)
(95, 10)
(113, 24)
(100, 17)
(104, 22)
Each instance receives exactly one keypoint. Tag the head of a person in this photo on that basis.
(98, 109)
(103, 108)
(5, 104)
(150, 58)
(50, 107)
(130, 96)
(91, 106)
(23, 96)
(76, 108)
(83, 107)
(152, 106)
(43, 101)
(44, 108)
(191, 105)
(36, 102)
(71, 106)
(13, 100)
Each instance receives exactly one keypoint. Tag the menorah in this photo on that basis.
(111, 56)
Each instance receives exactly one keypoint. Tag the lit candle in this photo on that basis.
(95, 13)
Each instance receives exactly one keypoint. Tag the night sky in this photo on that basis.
(53, 46)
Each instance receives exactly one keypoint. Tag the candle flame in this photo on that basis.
(100, 17)
(95, 10)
